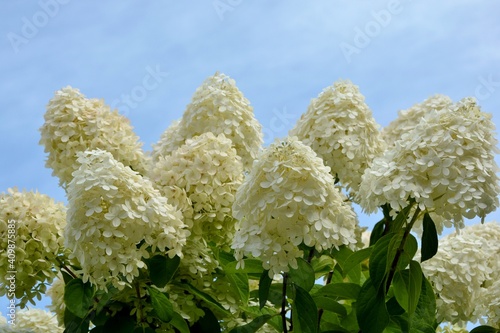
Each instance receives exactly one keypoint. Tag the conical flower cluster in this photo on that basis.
(446, 163)
(409, 118)
(217, 106)
(32, 321)
(31, 238)
(74, 123)
(465, 273)
(201, 179)
(340, 128)
(289, 198)
(114, 215)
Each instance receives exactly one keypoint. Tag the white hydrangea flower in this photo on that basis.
(409, 118)
(39, 226)
(33, 321)
(74, 123)
(464, 274)
(217, 106)
(289, 198)
(169, 141)
(209, 171)
(114, 215)
(340, 128)
(56, 293)
(446, 163)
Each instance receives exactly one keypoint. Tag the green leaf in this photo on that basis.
(424, 318)
(239, 283)
(330, 304)
(340, 290)
(122, 322)
(343, 257)
(484, 329)
(378, 261)
(409, 250)
(303, 276)
(371, 310)
(203, 296)
(377, 232)
(429, 238)
(251, 266)
(162, 269)
(161, 304)
(394, 244)
(407, 286)
(179, 323)
(414, 286)
(74, 324)
(355, 259)
(304, 311)
(264, 285)
(252, 326)
(78, 297)
(206, 324)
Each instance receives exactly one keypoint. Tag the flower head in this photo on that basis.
(289, 198)
(74, 123)
(33, 321)
(464, 274)
(217, 106)
(446, 164)
(31, 236)
(409, 118)
(340, 128)
(114, 215)
(56, 293)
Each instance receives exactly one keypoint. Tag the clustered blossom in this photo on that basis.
(208, 169)
(409, 118)
(39, 224)
(340, 128)
(114, 215)
(465, 273)
(217, 106)
(446, 163)
(74, 123)
(32, 321)
(451, 329)
(289, 198)
(56, 293)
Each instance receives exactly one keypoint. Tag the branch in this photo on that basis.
(284, 303)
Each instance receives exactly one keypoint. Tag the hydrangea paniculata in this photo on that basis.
(114, 215)
(33, 321)
(340, 128)
(217, 106)
(74, 123)
(465, 273)
(446, 163)
(38, 224)
(409, 118)
(289, 198)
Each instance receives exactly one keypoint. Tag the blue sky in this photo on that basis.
(281, 54)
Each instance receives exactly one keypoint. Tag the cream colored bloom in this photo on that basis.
(446, 163)
(56, 293)
(217, 106)
(289, 198)
(464, 274)
(409, 118)
(74, 123)
(340, 128)
(451, 329)
(209, 170)
(33, 321)
(31, 237)
(114, 215)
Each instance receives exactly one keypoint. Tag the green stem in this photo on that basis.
(140, 315)
(328, 281)
(400, 249)
(284, 303)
